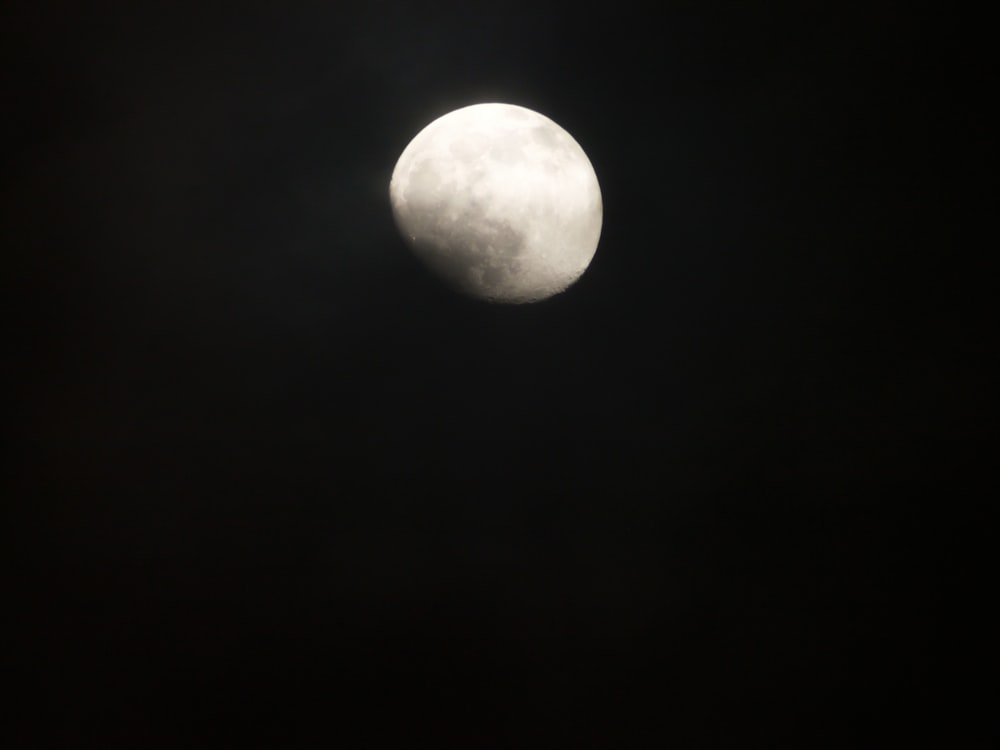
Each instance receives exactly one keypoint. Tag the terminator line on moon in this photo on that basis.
(499, 201)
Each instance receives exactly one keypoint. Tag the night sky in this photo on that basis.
(273, 485)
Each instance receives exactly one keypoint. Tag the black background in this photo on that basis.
(272, 485)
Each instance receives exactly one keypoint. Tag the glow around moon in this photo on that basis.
(499, 201)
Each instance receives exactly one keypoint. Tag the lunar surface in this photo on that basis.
(499, 201)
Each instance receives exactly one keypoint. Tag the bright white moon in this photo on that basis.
(499, 201)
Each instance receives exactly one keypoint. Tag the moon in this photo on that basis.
(499, 201)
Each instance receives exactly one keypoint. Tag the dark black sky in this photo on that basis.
(274, 486)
